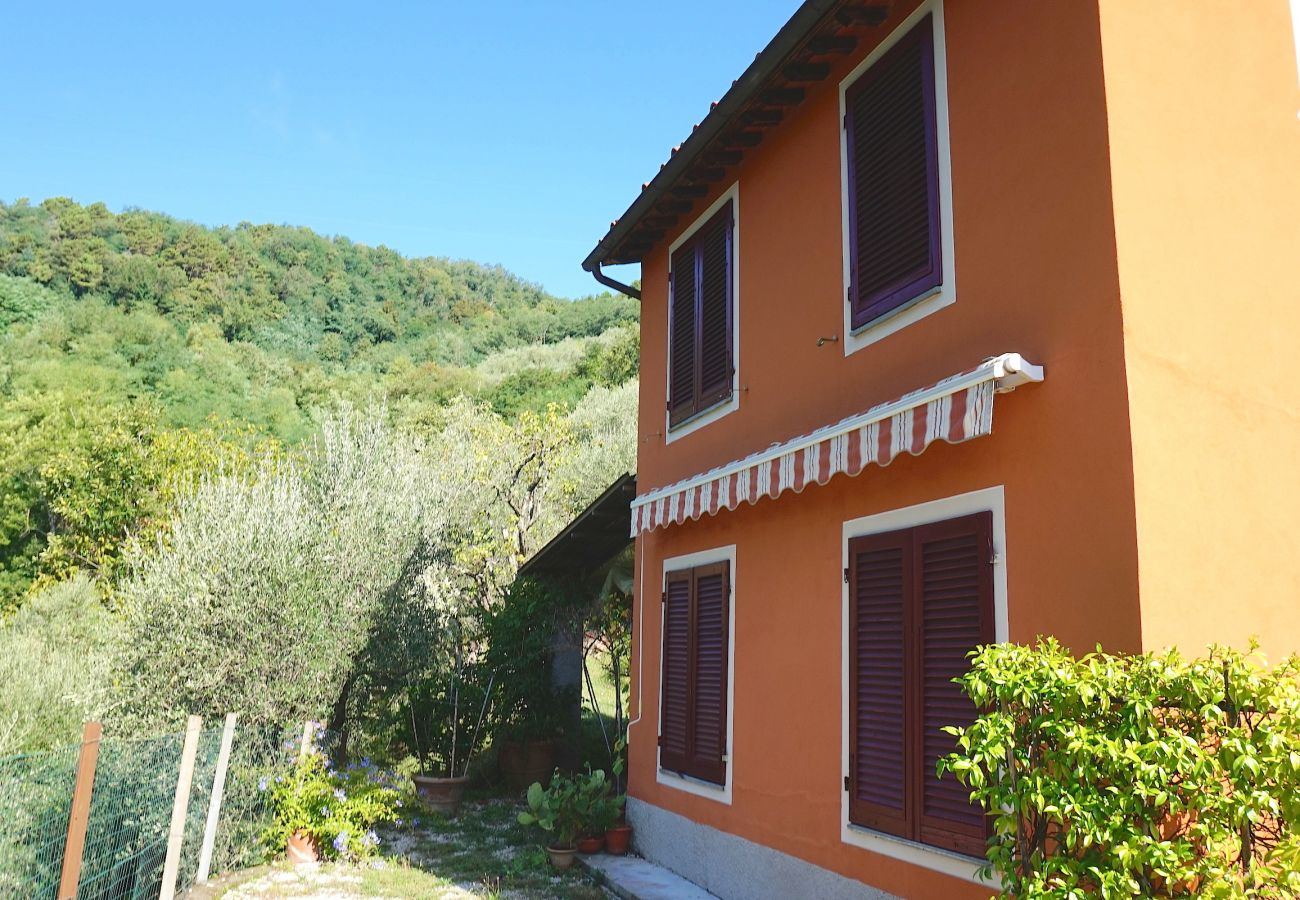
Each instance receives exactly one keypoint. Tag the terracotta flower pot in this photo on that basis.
(523, 762)
(302, 848)
(617, 839)
(591, 844)
(561, 857)
(440, 794)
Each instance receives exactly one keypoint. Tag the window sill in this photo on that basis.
(696, 786)
(937, 859)
(895, 320)
(702, 418)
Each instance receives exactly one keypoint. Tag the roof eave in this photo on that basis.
(725, 115)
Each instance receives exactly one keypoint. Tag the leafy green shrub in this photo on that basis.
(56, 656)
(520, 634)
(1145, 775)
(338, 809)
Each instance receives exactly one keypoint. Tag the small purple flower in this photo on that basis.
(339, 795)
(325, 811)
(400, 822)
(372, 839)
(261, 784)
(341, 842)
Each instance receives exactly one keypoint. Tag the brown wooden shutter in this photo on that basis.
(715, 309)
(675, 712)
(894, 245)
(880, 787)
(682, 329)
(701, 355)
(954, 574)
(709, 722)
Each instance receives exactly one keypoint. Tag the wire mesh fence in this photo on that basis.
(130, 811)
(256, 757)
(35, 800)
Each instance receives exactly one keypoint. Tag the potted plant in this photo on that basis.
(598, 810)
(321, 813)
(441, 708)
(435, 661)
(556, 810)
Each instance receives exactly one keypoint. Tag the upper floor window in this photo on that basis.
(894, 240)
(701, 355)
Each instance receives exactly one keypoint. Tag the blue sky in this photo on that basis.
(506, 132)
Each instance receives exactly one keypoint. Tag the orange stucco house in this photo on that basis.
(963, 320)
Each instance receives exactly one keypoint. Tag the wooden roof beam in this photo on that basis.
(742, 139)
(660, 221)
(806, 71)
(870, 15)
(689, 190)
(832, 44)
(789, 96)
(707, 173)
(762, 117)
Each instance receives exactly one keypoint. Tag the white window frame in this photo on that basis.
(945, 294)
(985, 500)
(713, 413)
(707, 789)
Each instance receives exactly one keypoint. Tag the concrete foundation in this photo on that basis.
(731, 867)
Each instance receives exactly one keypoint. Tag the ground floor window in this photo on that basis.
(693, 707)
(920, 599)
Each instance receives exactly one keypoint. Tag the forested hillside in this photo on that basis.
(139, 352)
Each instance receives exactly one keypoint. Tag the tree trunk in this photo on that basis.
(339, 720)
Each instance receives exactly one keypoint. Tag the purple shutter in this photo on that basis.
(675, 711)
(709, 720)
(701, 358)
(954, 575)
(880, 780)
(894, 245)
(681, 336)
(715, 242)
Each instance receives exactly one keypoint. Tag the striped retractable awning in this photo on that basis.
(954, 410)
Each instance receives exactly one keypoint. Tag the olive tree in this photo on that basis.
(263, 591)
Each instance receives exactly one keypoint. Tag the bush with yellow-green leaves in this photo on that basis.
(1135, 775)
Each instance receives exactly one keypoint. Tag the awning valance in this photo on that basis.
(956, 409)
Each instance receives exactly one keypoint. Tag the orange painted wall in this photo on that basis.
(1036, 273)
(1205, 145)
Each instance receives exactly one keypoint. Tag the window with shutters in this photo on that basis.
(896, 164)
(920, 599)
(701, 351)
(694, 690)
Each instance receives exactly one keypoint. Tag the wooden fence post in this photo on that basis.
(79, 816)
(180, 806)
(306, 739)
(214, 804)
